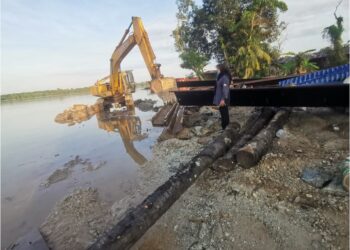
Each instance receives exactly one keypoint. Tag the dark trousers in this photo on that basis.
(225, 118)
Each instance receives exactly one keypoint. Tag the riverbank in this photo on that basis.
(229, 207)
(268, 206)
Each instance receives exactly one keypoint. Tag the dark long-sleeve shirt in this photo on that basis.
(222, 90)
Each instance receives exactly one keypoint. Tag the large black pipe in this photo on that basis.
(248, 82)
(330, 95)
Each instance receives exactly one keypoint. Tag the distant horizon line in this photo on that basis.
(43, 90)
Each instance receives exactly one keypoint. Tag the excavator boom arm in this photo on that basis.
(145, 47)
(117, 57)
(117, 85)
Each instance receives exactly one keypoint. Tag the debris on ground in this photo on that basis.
(336, 187)
(316, 177)
(281, 133)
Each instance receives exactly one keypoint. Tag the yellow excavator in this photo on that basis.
(118, 86)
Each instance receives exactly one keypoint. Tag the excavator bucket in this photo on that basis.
(163, 84)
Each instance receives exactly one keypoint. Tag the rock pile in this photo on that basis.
(77, 114)
(145, 105)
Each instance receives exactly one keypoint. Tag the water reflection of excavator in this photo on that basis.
(125, 122)
(118, 86)
(129, 127)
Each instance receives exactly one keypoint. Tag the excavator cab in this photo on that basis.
(129, 81)
(104, 89)
(101, 88)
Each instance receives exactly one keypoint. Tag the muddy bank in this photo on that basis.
(168, 157)
(76, 221)
(264, 207)
(268, 206)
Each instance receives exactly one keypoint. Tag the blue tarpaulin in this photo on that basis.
(331, 75)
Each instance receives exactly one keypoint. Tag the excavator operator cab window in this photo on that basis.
(130, 77)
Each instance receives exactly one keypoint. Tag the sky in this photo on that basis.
(49, 44)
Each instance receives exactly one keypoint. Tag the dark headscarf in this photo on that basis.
(223, 71)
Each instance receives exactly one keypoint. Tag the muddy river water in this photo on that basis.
(34, 146)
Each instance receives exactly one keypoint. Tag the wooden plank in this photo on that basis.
(161, 118)
(178, 121)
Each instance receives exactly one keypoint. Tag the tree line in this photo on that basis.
(244, 35)
(42, 94)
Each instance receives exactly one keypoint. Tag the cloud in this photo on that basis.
(306, 21)
(51, 44)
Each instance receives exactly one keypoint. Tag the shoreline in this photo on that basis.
(42, 94)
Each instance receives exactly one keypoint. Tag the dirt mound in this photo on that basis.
(77, 114)
(76, 221)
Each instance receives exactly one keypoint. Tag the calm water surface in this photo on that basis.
(33, 146)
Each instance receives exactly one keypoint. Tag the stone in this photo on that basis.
(76, 114)
(144, 105)
(192, 120)
(197, 130)
(184, 134)
(281, 133)
(335, 127)
(204, 140)
(335, 186)
(205, 131)
(205, 110)
(315, 177)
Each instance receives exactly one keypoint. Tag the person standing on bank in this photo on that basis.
(222, 93)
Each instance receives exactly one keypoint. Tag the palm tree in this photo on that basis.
(252, 54)
(334, 34)
(249, 58)
(299, 63)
